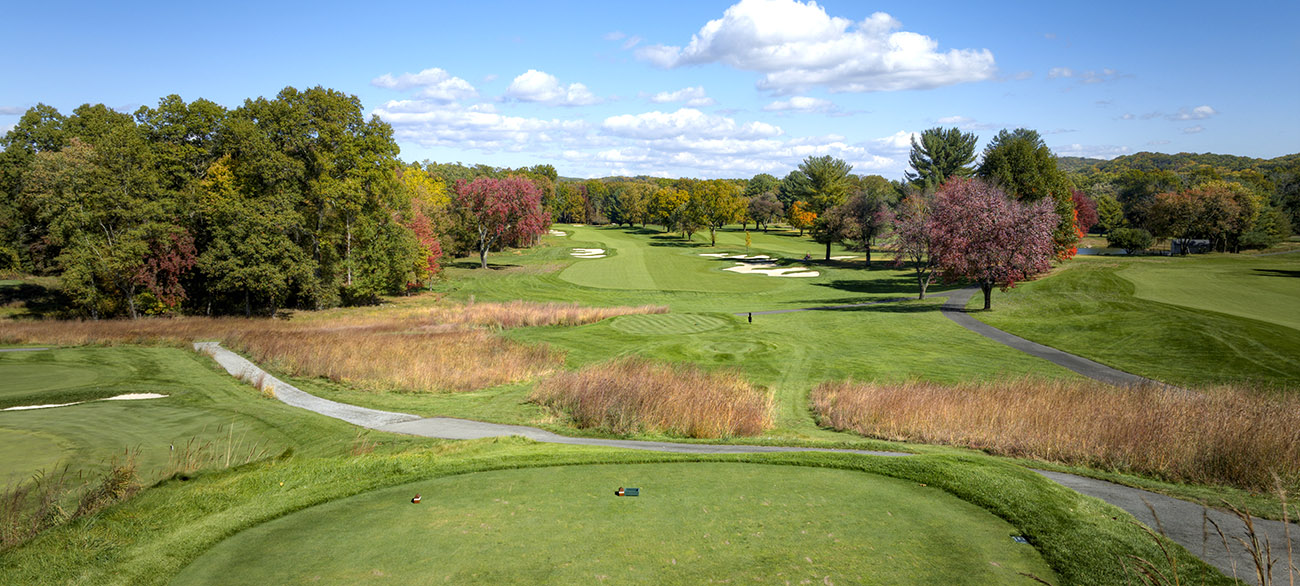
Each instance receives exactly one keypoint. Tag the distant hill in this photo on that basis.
(1071, 164)
(1146, 161)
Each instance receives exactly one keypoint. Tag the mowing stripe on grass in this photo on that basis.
(667, 323)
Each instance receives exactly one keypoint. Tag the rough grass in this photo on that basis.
(444, 347)
(1222, 435)
(633, 395)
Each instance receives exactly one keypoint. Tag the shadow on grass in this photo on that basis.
(676, 241)
(902, 285)
(36, 300)
(474, 264)
(1278, 273)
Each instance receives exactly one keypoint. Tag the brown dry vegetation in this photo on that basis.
(444, 347)
(1222, 435)
(634, 395)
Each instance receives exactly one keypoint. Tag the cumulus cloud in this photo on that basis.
(1193, 129)
(1197, 113)
(433, 83)
(797, 46)
(692, 96)
(800, 104)
(542, 87)
(685, 122)
(899, 141)
(479, 126)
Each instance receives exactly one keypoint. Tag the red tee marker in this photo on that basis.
(416, 500)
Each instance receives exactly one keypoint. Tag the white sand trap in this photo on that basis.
(126, 397)
(771, 270)
(734, 256)
(588, 253)
(844, 257)
(558, 233)
(134, 397)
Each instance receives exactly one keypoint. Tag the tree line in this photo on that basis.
(293, 202)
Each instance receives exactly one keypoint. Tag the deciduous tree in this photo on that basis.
(912, 238)
(800, 217)
(501, 209)
(981, 235)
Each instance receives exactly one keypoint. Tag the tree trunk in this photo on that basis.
(482, 257)
(868, 251)
(828, 251)
(987, 288)
(920, 284)
(349, 253)
(248, 306)
(713, 236)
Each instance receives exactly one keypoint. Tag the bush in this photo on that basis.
(1130, 239)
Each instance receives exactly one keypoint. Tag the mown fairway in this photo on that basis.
(1185, 320)
(693, 524)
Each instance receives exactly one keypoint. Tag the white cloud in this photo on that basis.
(433, 83)
(1127, 116)
(1197, 113)
(1157, 142)
(1193, 129)
(796, 46)
(898, 141)
(693, 96)
(1023, 75)
(11, 110)
(686, 122)
(958, 120)
(477, 127)
(800, 104)
(1086, 77)
(1056, 72)
(613, 36)
(542, 87)
(631, 42)
(5, 129)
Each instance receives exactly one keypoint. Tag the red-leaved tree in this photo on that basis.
(498, 210)
(1085, 212)
(979, 234)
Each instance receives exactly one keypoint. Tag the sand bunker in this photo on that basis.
(126, 397)
(557, 233)
(771, 270)
(734, 256)
(844, 257)
(588, 253)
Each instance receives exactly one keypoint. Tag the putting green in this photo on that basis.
(667, 323)
(25, 453)
(693, 524)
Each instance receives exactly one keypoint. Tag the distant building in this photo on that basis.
(1189, 246)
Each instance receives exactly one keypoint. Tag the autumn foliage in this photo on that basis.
(501, 211)
(978, 234)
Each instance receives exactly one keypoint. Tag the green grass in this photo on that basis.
(1195, 320)
(153, 537)
(694, 523)
(203, 408)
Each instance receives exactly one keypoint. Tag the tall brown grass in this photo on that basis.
(634, 395)
(28, 508)
(1223, 435)
(443, 347)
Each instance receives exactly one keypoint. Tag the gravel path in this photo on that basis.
(1182, 521)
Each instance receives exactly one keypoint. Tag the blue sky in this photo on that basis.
(700, 89)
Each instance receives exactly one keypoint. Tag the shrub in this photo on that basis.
(1130, 239)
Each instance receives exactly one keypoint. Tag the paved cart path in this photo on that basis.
(1182, 521)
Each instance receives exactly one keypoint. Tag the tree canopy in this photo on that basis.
(940, 154)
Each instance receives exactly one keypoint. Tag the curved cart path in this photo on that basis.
(1181, 520)
(955, 310)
